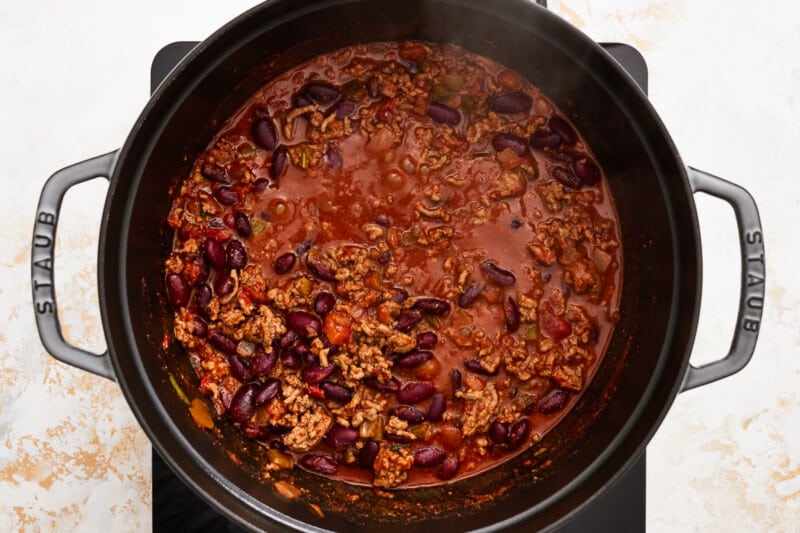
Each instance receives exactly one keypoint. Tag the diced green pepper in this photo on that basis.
(178, 390)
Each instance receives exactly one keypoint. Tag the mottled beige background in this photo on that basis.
(725, 78)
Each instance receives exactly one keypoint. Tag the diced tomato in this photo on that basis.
(553, 326)
(189, 230)
(244, 297)
(315, 392)
(337, 327)
(191, 271)
(254, 295)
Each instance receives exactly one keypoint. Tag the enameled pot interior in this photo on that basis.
(648, 353)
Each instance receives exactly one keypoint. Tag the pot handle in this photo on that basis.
(751, 292)
(42, 267)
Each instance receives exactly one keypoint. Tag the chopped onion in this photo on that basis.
(245, 348)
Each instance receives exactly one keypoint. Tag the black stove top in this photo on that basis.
(177, 509)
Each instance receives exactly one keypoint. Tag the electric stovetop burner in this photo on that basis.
(177, 508)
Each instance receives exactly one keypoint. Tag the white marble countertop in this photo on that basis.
(725, 78)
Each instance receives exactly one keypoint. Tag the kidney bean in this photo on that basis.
(226, 195)
(564, 130)
(236, 254)
(203, 271)
(323, 303)
(333, 157)
(510, 102)
(455, 381)
(275, 444)
(243, 403)
(299, 347)
(252, 431)
(448, 469)
(413, 359)
(304, 324)
(586, 170)
(518, 433)
(260, 185)
(437, 407)
(320, 268)
(238, 368)
(301, 100)
(409, 413)
(290, 360)
(178, 290)
(284, 263)
(200, 327)
(262, 362)
(215, 253)
(408, 319)
(223, 283)
(470, 294)
(555, 401)
(565, 157)
(342, 108)
(288, 338)
(566, 178)
(267, 391)
(241, 223)
(542, 139)
(373, 90)
(501, 141)
(499, 276)
(511, 312)
(400, 295)
(443, 114)
(429, 456)
(221, 342)
(214, 172)
(474, 365)
(225, 397)
(498, 432)
(432, 306)
(322, 92)
(314, 374)
(390, 385)
(335, 392)
(367, 455)
(264, 134)
(415, 392)
(280, 162)
(319, 463)
(385, 258)
(340, 436)
(427, 340)
(384, 220)
(202, 297)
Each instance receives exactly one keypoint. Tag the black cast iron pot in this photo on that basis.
(647, 363)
